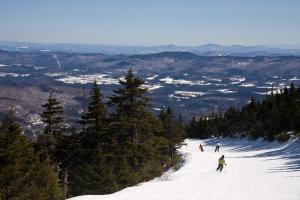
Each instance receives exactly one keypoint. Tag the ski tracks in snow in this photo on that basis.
(250, 174)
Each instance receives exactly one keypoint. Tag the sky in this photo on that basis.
(151, 22)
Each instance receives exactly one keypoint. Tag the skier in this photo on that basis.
(217, 147)
(221, 163)
(201, 148)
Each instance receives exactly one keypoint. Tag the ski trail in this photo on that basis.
(245, 177)
(57, 60)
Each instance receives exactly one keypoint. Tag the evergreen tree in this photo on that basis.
(94, 121)
(22, 175)
(174, 130)
(138, 136)
(276, 114)
(96, 116)
(130, 104)
(92, 172)
(52, 144)
(52, 116)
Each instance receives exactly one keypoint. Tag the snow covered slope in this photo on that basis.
(255, 170)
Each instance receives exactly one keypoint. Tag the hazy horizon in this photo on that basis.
(281, 46)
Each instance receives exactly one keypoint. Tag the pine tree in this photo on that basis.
(174, 130)
(22, 175)
(92, 172)
(52, 116)
(96, 116)
(52, 144)
(130, 104)
(137, 134)
(271, 118)
(94, 121)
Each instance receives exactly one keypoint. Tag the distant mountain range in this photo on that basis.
(204, 50)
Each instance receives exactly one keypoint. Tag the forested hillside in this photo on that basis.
(120, 144)
(273, 117)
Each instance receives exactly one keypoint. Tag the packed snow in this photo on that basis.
(254, 170)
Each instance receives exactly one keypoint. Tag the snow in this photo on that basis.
(189, 93)
(275, 91)
(255, 170)
(152, 77)
(294, 79)
(171, 81)
(39, 68)
(15, 75)
(55, 74)
(247, 85)
(90, 78)
(237, 80)
(185, 94)
(35, 119)
(57, 60)
(151, 87)
(242, 64)
(212, 79)
(226, 91)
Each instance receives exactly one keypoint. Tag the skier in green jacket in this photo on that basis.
(221, 163)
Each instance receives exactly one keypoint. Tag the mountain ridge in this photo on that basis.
(209, 49)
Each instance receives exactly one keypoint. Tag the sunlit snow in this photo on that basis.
(237, 80)
(255, 170)
(247, 85)
(226, 91)
(171, 81)
(14, 75)
(83, 79)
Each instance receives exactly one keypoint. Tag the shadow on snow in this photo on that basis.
(288, 151)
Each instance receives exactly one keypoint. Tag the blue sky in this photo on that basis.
(151, 22)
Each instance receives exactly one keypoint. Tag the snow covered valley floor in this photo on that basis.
(255, 170)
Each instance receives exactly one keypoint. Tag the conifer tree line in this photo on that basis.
(120, 143)
(272, 118)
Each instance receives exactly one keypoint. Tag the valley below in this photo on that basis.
(191, 84)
